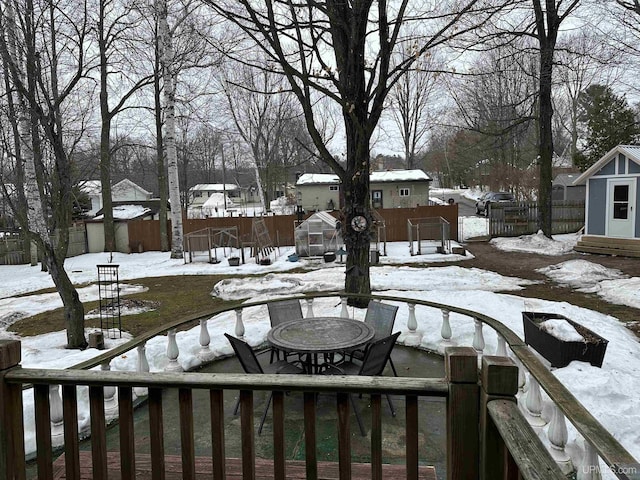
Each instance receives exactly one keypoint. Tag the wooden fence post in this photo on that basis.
(498, 380)
(463, 420)
(11, 429)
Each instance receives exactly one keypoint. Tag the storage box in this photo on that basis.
(560, 352)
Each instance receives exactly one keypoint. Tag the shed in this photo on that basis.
(612, 203)
(318, 234)
(564, 189)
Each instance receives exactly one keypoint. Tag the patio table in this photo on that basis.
(311, 337)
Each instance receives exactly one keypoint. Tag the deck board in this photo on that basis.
(264, 468)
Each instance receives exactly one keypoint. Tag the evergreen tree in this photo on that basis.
(609, 121)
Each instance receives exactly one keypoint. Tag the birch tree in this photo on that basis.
(345, 51)
(34, 43)
(169, 77)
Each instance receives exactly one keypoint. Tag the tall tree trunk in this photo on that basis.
(546, 138)
(162, 169)
(357, 203)
(105, 139)
(169, 80)
(73, 308)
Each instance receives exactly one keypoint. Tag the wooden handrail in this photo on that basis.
(525, 447)
(437, 387)
(606, 446)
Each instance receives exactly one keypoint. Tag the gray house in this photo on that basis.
(389, 189)
(612, 210)
(564, 189)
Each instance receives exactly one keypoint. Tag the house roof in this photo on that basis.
(213, 187)
(91, 187)
(375, 177)
(131, 209)
(126, 183)
(565, 179)
(94, 187)
(630, 151)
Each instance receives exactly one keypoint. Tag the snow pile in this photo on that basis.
(562, 330)
(581, 275)
(608, 283)
(216, 205)
(538, 243)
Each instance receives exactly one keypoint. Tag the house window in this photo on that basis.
(404, 192)
(333, 188)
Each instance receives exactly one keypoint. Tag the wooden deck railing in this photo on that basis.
(479, 423)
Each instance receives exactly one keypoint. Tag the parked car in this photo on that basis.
(482, 205)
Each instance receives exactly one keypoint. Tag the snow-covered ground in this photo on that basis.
(609, 393)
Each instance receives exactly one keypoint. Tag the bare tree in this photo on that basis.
(345, 51)
(548, 19)
(32, 55)
(413, 104)
(118, 30)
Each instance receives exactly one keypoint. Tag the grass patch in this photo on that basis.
(178, 296)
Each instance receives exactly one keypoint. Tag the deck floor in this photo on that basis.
(264, 468)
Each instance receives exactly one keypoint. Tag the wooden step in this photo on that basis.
(607, 251)
(296, 470)
(610, 242)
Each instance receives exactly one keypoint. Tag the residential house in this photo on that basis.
(123, 191)
(563, 188)
(199, 194)
(389, 189)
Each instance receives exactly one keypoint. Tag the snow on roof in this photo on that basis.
(399, 176)
(375, 177)
(213, 187)
(318, 178)
(91, 187)
(127, 212)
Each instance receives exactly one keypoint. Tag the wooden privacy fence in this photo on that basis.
(12, 249)
(281, 227)
(521, 218)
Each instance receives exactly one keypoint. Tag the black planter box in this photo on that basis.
(559, 352)
(234, 261)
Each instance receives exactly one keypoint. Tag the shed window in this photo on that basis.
(404, 192)
(333, 188)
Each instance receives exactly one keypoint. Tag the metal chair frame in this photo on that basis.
(250, 364)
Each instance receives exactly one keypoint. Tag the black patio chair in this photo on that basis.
(381, 317)
(279, 312)
(375, 360)
(250, 364)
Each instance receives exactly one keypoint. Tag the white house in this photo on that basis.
(123, 191)
(199, 194)
(389, 189)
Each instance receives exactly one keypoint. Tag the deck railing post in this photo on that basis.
(478, 337)
(10, 414)
(413, 337)
(461, 364)
(110, 398)
(344, 312)
(142, 366)
(445, 331)
(172, 353)
(239, 330)
(499, 380)
(56, 416)
(205, 353)
(310, 313)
